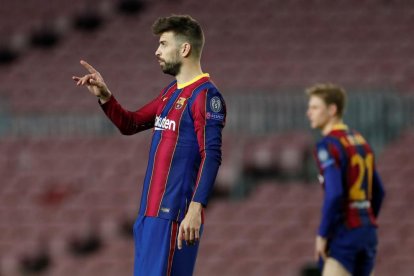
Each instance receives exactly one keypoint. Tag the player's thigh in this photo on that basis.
(333, 267)
(155, 240)
(365, 259)
(184, 259)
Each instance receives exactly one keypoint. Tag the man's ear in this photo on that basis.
(333, 110)
(185, 49)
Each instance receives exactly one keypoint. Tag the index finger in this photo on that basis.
(88, 67)
(180, 239)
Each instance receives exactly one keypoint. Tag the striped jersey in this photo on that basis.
(185, 153)
(353, 188)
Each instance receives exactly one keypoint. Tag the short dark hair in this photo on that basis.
(184, 26)
(330, 94)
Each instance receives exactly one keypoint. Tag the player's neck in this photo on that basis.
(330, 125)
(188, 72)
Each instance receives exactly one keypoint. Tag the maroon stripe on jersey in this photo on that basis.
(174, 114)
(166, 150)
(156, 156)
(353, 215)
(187, 93)
(353, 219)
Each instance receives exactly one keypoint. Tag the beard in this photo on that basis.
(171, 68)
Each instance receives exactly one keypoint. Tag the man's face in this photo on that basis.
(168, 54)
(318, 112)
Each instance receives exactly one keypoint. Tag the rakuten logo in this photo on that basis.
(162, 123)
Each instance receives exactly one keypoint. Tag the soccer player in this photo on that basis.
(346, 243)
(187, 119)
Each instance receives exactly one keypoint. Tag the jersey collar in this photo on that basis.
(182, 85)
(339, 127)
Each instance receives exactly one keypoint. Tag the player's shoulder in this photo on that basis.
(209, 90)
(328, 141)
(214, 94)
(212, 87)
(330, 146)
(208, 87)
(216, 103)
(352, 138)
(323, 153)
(359, 137)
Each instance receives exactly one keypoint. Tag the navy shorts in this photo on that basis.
(355, 249)
(156, 252)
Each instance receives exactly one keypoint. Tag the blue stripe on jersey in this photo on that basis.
(182, 161)
(156, 139)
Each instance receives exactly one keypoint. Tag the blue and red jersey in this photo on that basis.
(353, 188)
(185, 153)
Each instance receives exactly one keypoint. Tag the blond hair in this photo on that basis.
(330, 94)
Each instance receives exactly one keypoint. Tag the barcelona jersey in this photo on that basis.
(353, 188)
(185, 154)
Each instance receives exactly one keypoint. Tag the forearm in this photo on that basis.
(207, 175)
(330, 209)
(126, 121)
(195, 207)
(332, 200)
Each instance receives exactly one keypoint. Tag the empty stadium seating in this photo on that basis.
(270, 231)
(289, 45)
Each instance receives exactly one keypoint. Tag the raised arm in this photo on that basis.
(127, 122)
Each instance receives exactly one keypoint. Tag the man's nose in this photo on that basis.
(157, 52)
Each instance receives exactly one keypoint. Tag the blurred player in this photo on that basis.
(346, 243)
(187, 120)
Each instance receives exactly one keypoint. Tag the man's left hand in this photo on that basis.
(321, 248)
(189, 230)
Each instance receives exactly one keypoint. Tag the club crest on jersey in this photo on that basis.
(324, 158)
(215, 104)
(180, 103)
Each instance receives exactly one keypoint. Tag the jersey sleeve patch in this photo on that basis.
(216, 109)
(215, 104)
(325, 159)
